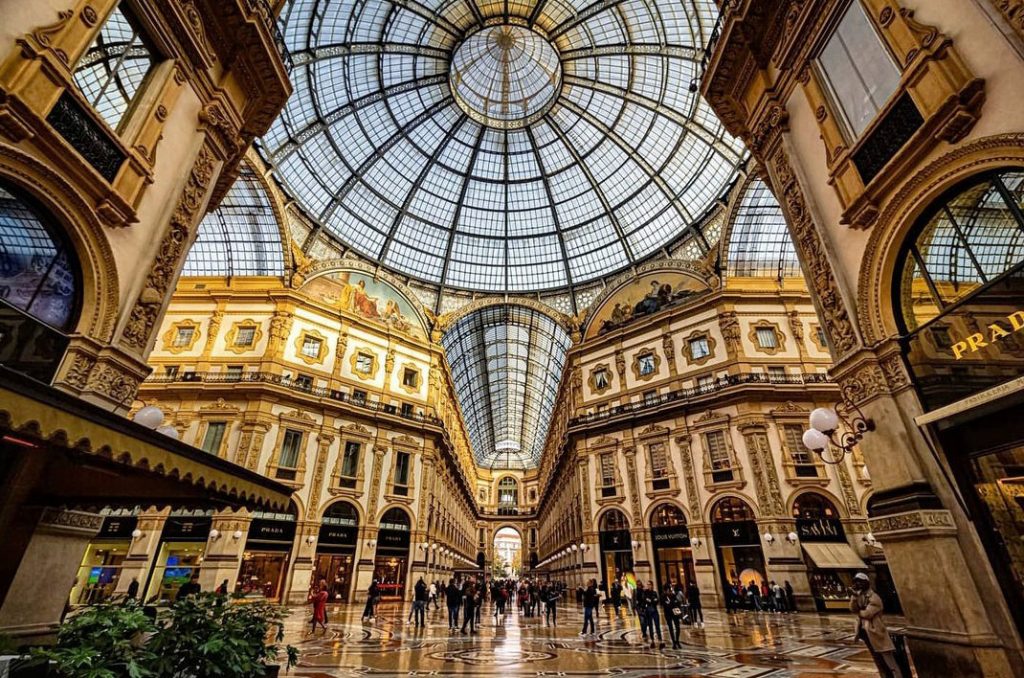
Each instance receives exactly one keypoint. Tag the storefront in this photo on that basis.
(616, 547)
(670, 541)
(336, 550)
(179, 554)
(391, 564)
(100, 571)
(267, 552)
(831, 561)
(737, 543)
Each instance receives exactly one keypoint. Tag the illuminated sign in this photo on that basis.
(996, 332)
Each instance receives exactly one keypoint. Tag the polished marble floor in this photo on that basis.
(746, 645)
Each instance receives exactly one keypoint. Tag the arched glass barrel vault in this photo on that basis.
(411, 139)
(960, 302)
(506, 362)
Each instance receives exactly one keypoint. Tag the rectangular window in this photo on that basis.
(214, 436)
(798, 452)
(171, 371)
(350, 464)
(402, 469)
(364, 363)
(311, 347)
(411, 378)
(114, 67)
(766, 337)
(246, 336)
(290, 448)
(718, 453)
(645, 364)
(233, 373)
(821, 336)
(859, 70)
(304, 381)
(608, 470)
(183, 337)
(659, 460)
(776, 374)
(699, 348)
(406, 409)
(940, 335)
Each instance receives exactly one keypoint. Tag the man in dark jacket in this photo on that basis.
(469, 603)
(590, 601)
(693, 598)
(453, 598)
(420, 597)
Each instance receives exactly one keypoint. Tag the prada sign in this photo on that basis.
(393, 540)
(280, 531)
(338, 535)
(820, 530)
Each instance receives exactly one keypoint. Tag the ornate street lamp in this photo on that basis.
(835, 431)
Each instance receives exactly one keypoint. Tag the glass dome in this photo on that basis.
(516, 146)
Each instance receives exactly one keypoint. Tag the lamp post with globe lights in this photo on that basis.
(835, 431)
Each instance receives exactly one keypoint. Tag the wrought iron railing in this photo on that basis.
(683, 394)
(293, 385)
(263, 9)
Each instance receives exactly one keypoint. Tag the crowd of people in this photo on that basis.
(768, 596)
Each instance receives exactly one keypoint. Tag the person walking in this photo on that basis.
(693, 598)
(651, 601)
(318, 599)
(421, 595)
(754, 592)
(616, 596)
(867, 605)
(369, 611)
(673, 613)
(469, 603)
(453, 599)
(432, 595)
(551, 605)
(590, 600)
(790, 601)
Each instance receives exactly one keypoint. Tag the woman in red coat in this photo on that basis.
(318, 598)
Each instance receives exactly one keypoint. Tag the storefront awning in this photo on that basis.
(95, 457)
(838, 556)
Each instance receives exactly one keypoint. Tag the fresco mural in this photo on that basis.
(643, 296)
(373, 300)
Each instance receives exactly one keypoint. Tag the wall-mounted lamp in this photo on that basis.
(695, 542)
(574, 548)
(791, 537)
(870, 540)
(636, 544)
(825, 433)
(237, 535)
(371, 542)
(214, 534)
(136, 533)
(310, 539)
(769, 538)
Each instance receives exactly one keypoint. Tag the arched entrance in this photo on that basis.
(831, 563)
(670, 541)
(391, 564)
(737, 542)
(336, 550)
(508, 553)
(616, 547)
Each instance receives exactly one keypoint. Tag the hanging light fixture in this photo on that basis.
(835, 431)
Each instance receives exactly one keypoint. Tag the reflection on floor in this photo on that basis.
(737, 646)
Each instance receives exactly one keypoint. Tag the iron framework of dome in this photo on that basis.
(513, 146)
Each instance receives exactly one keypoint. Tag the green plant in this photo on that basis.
(105, 641)
(207, 636)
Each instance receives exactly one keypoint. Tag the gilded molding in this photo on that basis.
(171, 335)
(300, 342)
(688, 347)
(636, 364)
(780, 338)
(592, 378)
(231, 336)
(369, 374)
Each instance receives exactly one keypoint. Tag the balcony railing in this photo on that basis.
(293, 385)
(266, 13)
(721, 384)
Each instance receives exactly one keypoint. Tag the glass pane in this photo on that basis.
(214, 436)
(112, 70)
(759, 243)
(859, 69)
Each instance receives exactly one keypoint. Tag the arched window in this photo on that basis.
(813, 506)
(668, 515)
(508, 492)
(759, 244)
(969, 239)
(614, 520)
(38, 270)
(341, 513)
(731, 510)
(395, 519)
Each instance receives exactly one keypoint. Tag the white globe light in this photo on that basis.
(815, 440)
(769, 537)
(792, 536)
(824, 419)
(237, 535)
(136, 533)
(149, 416)
(168, 431)
(574, 547)
(214, 534)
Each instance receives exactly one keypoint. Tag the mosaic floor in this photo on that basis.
(738, 646)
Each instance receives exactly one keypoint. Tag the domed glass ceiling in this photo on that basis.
(501, 146)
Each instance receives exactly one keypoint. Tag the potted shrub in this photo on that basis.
(104, 641)
(206, 635)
